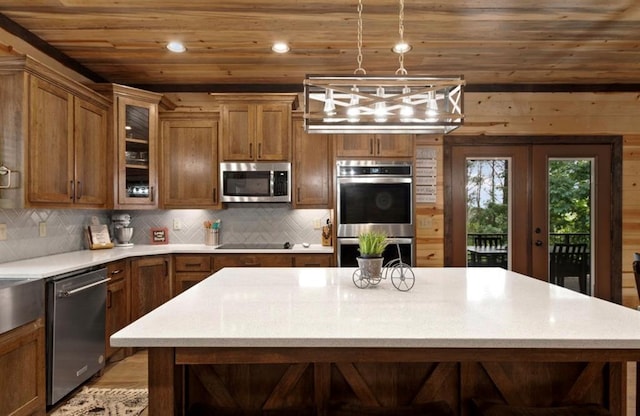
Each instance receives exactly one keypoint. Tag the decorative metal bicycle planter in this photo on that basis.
(401, 275)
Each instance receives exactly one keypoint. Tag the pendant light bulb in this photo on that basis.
(380, 109)
(406, 110)
(353, 112)
(432, 107)
(329, 104)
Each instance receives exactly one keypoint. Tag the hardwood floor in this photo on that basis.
(128, 373)
(131, 372)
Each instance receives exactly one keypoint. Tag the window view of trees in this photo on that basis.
(487, 197)
(569, 199)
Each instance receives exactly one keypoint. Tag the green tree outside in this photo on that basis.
(569, 197)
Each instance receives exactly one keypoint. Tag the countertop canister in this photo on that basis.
(212, 236)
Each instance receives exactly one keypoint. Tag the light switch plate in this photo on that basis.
(177, 224)
(43, 229)
(3, 232)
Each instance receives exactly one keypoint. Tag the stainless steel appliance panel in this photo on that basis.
(76, 308)
(374, 195)
(255, 182)
(21, 301)
(348, 251)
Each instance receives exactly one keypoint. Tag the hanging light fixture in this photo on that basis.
(383, 104)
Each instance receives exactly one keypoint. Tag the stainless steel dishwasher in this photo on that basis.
(76, 305)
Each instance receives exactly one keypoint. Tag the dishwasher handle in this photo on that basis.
(67, 293)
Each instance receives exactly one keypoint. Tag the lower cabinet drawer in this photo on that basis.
(192, 263)
(251, 260)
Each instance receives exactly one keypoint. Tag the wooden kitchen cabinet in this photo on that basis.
(62, 134)
(374, 145)
(150, 284)
(23, 370)
(313, 260)
(313, 168)
(134, 143)
(189, 160)
(256, 127)
(118, 303)
(190, 269)
(251, 260)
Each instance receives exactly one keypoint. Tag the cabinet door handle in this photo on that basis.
(215, 195)
(371, 146)
(259, 150)
(298, 194)
(73, 190)
(114, 272)
(378, 143)
(79, 188)
(191, 264)
(152, 193)
(109, 299)
(250, 150)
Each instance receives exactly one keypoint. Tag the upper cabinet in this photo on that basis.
(134, 146)
(55, 134)
(255, 127)
(313, 164)
(374, 145)
(189, 160)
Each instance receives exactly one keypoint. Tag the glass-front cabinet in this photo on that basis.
(136, 153)
(135, 144)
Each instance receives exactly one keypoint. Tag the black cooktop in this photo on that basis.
(262, 246)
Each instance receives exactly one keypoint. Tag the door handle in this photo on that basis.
(67, 293)
(538, 243)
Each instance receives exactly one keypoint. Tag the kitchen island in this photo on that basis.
(308, 340)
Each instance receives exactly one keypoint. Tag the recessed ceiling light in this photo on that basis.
(175, 46)
(401, 47)
(280, 47)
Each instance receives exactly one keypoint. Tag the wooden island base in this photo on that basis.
(314, 380)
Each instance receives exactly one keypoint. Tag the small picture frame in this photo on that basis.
(159, 236)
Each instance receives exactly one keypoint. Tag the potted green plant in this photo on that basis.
(371, 246)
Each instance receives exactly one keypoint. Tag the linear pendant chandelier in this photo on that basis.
(397, 104)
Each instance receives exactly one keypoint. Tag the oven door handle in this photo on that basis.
(67, 293)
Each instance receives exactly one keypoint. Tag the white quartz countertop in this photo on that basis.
(321, 307)
(47, 266)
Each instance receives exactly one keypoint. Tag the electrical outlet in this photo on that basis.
(43, 229)
(425, 222)
(3, 232)
(177, 224)
(317, 224)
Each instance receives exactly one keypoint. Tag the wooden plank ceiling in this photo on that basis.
(487, 41)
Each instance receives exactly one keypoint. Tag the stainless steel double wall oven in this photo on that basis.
(374, 195)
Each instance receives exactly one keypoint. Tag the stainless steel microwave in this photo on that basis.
(255, 181)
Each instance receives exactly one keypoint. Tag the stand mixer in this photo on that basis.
(121, 229)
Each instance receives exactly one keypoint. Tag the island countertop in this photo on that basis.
(321, 307)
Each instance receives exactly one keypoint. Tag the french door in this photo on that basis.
(544, 207)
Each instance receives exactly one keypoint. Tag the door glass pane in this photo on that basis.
(488, 212)
(137, 151)
(570, 219)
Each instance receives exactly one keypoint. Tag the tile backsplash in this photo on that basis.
(239, 223)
